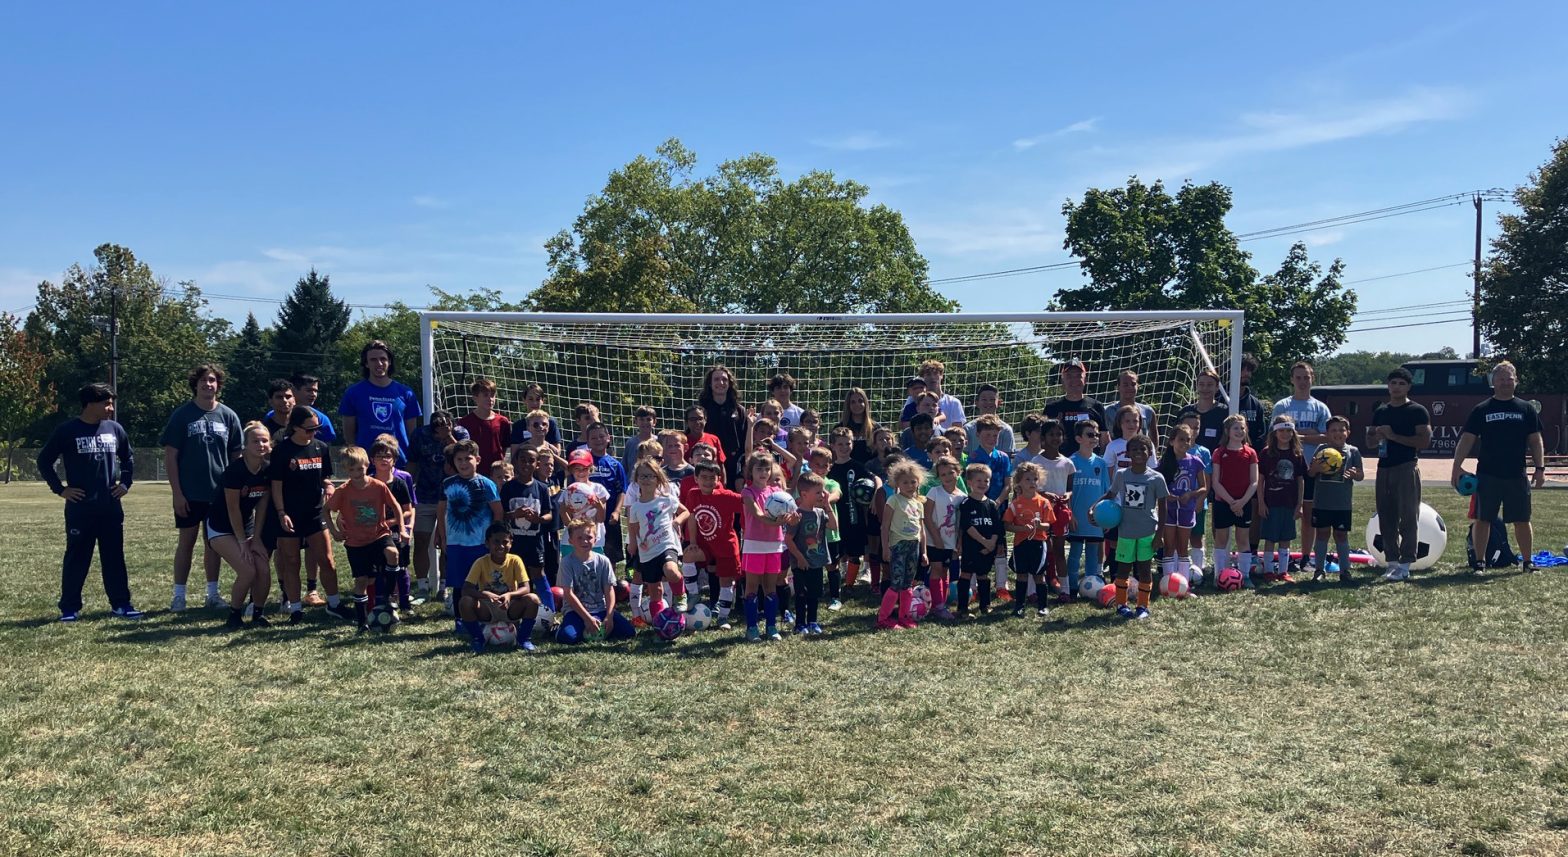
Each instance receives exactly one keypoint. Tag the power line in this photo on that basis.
(1462, 319)
(1398, 309)
(1465, 264)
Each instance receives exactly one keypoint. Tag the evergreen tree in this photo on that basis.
(249, 371)
(309, 326)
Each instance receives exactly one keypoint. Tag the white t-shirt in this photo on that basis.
(1116, 454)
(575, 501)
(944, 510)
(1057, 471)
(655, 520)
(790, 417)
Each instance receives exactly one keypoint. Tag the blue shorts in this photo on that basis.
(459, 560)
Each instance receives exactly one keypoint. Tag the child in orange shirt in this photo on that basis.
(365, 510)
(1029, 517)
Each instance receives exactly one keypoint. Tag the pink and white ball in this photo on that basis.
(1174, 585)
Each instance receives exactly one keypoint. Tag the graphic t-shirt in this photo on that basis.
(429, 455)
(1404, 420)
(362, 512)
(1189, 473)
(908, 518)
(982, 516)
(508, 576)
(1309, 414)
(468, 512)
(1071, 413)
(381, 410)
(944, 512)
(655, 521)
(714, 516)
(491, 435)
(304, 471)
(588, 579)
(1139, 495)
(1333, 493)
(205, 441)
(1502, 430)
(402, 487)
(1091, 479)
(851, 515)
(1022, 511)
(810, 537)
(253, 487)
(1281, 471)
(1233, 469)
(97, 457)
(527, 536)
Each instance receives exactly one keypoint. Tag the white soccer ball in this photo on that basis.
(700, 618)
(779, 504)
(1431, 539)
(1089, 587)
(545, 618)
(577, 498)
(500, 634)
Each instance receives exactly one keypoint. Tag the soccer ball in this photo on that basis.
(382, 618)
(1173, 585)
(1090, 586)
(500, 634)
(545, 618)
(863, 491)
(779, 504)
(669, 624)
(1330, 460)
(1106, 596)
(1431, 539)
(920, 601)
(1468, 485)
(1107, 514)
(577, 497)
(1228, 579)
(701, 618)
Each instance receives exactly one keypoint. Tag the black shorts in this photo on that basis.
(614, 542)
(198, 515)
(652, 570)
(1511, 494)
(1338, 520)
(939, 557)
(1309, 488)
(852, 542)
(1224, 518)
(305, 525)
(1029, 557)
(367, 560)
(552, 562)
(975, 562)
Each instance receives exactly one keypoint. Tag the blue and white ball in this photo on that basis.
(700, 618)
(1090, 585)
(779, 504)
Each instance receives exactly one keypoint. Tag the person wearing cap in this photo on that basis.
(1075, 405)
(584, 499)
(1400, 429)
(1501, 430)
(913, 388)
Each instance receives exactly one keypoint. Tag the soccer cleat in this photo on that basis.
(1018, 612)
(314, 599)
(177, 604)
(801, 629)
(1005, 596)
(69, 616)
(1042, 612)
(1141, 614)
(639, 623)
(815, 630)
(1344, 577)
(342, 611)
(726, 626)
(215, 602)
(295, 616)
(1529, 567)
(127, 612)
(752, 634)
(682, 606)
(835, 605)
(236, 621)
(773, 633)
(527, 646)
(259, 621)
(789, 617)
(1284, 577)
(1396, 573)
(1125, 612)
(446, 602)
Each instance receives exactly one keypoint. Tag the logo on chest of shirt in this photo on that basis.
(382, 411)
(1505, 416)
(97, 444)
(305, 464)
(207, 427)
(1135, 496)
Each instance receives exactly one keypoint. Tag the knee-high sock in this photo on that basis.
(1184, 568)
(689, 578)
(889, 607)
(404, 584)
(835, 581)
(1244, 564)
(542, 589)
(678, 589)
(1221, 558)
(985, 592)
(752, 610)
(1121, 592)
(1145, 589)
(876, 571)
(770, 609)
(1282, 558)
(1321, 553)
(906, 607)
(1042, 594)
(726, 600)
(963, 595)
(784, 596)
(1020, 590)
(1168, 564)
(1342, 545)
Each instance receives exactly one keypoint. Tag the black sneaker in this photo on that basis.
(236, 620)
(259, 621)
(342, 611)
(296, 616)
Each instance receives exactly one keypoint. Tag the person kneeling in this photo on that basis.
(587, 582)
(497, 593)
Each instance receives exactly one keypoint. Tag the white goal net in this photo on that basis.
(619, 362)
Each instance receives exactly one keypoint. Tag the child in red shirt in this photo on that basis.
(710, 530)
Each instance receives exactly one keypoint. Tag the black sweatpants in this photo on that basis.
(94, 524)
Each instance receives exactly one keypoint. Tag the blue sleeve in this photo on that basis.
(908, 412)
(329, 433)
(236, 432)
(348, 407)
(171, 434)
(491, 493)
(47, 458)
(127, 456)
(411, 407)
(555, 433)
(519, 429)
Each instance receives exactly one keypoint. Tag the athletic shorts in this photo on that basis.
(1279, 525)
(1179, 516)
(1309, 488)
(1029, 557)
(425, 518)
(1135, 550)
(975, 562)
(196, 518)
(939, 556)
(722, 560)
(1510, 494)
(364, 559)
(1224, 518)
(1339, 519)
(762, 563)
(305, 526)
(852, 541)
(213, 534)
(652, 570)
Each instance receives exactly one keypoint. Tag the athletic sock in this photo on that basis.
(876, 572)
(1145, 588)
(333, 601)
(1121, 592)
(1244, 563)
(1321, 552)
(753, 611)
(1184, 568)
(1042, 594)
(1168, 565)
(835, 582)
(1020, 591)
(310, 584)
(963, 595)
(1342, 545)
(1282, 559)
(542, 589)
(726, 601)
(689, 578)
(1196, 555)
(212, 589)
(179, 590)
(985, 593)
(525, 630)
(770, 610)
(404, 584)
(359, 608)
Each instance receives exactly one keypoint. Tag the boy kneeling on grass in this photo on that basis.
(587, 582)
(496, 590)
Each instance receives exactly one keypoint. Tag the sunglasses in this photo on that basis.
(311, 429)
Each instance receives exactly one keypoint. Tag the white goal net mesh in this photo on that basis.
(619, 364)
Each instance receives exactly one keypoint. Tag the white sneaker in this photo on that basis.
(448, 604)
(216, 602)
(177, 604)
(1397, 572)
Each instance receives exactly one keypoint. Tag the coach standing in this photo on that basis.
(1075, 405)
(1400, 429)
(379, 404)
(97, 455)
(1501, 429)
(200, 439)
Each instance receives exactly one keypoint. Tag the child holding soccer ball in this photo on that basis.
(762, 548)
(587, 581)
(1140, 493)
(496, 590)
(1337, 467)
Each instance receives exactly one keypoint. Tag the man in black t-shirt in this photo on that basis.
(1074, 407)
(1211, 412)
(1251, 407)
(1400, 429)
(1501, 429)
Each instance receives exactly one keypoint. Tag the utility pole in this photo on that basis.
(1475, 287)
(114, 338)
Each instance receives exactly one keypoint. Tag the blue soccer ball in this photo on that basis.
(1107, 515)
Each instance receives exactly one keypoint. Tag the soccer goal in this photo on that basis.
(619, 362)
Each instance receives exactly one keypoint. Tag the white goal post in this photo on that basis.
(622, 361)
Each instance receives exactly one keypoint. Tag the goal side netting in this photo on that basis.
(620, 362)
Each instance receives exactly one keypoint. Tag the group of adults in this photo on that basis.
(204, 435)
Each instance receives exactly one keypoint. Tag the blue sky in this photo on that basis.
(394, 146)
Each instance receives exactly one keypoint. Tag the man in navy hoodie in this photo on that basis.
(97, 455)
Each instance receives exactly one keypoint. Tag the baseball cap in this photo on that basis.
(1072, 363)
(913, 380)
(579, 457)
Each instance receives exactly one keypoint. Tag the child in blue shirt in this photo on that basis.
(469, 504)
(1091, 479)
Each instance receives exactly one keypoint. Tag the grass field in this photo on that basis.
(1426, 718)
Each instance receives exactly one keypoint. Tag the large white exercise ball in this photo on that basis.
(1431, 538)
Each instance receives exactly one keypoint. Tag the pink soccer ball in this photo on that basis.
(1228, 579)
(1107, 595)
(920, 601)
(1174, 585)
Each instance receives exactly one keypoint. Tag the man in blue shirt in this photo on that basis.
(379, 404)
(97, 455)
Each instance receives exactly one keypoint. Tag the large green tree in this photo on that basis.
(1143, 248)
(1370, 367)
(163, 331)
(308, 331)
(1524, 284)
(658, 238)
(249, 371)
(25, 392)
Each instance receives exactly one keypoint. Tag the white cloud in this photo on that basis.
(861, 141)
(427, 201)
(1323, 239)
(1018, 233)
(1082, 126)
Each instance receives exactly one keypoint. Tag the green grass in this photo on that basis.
(1379, 719)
